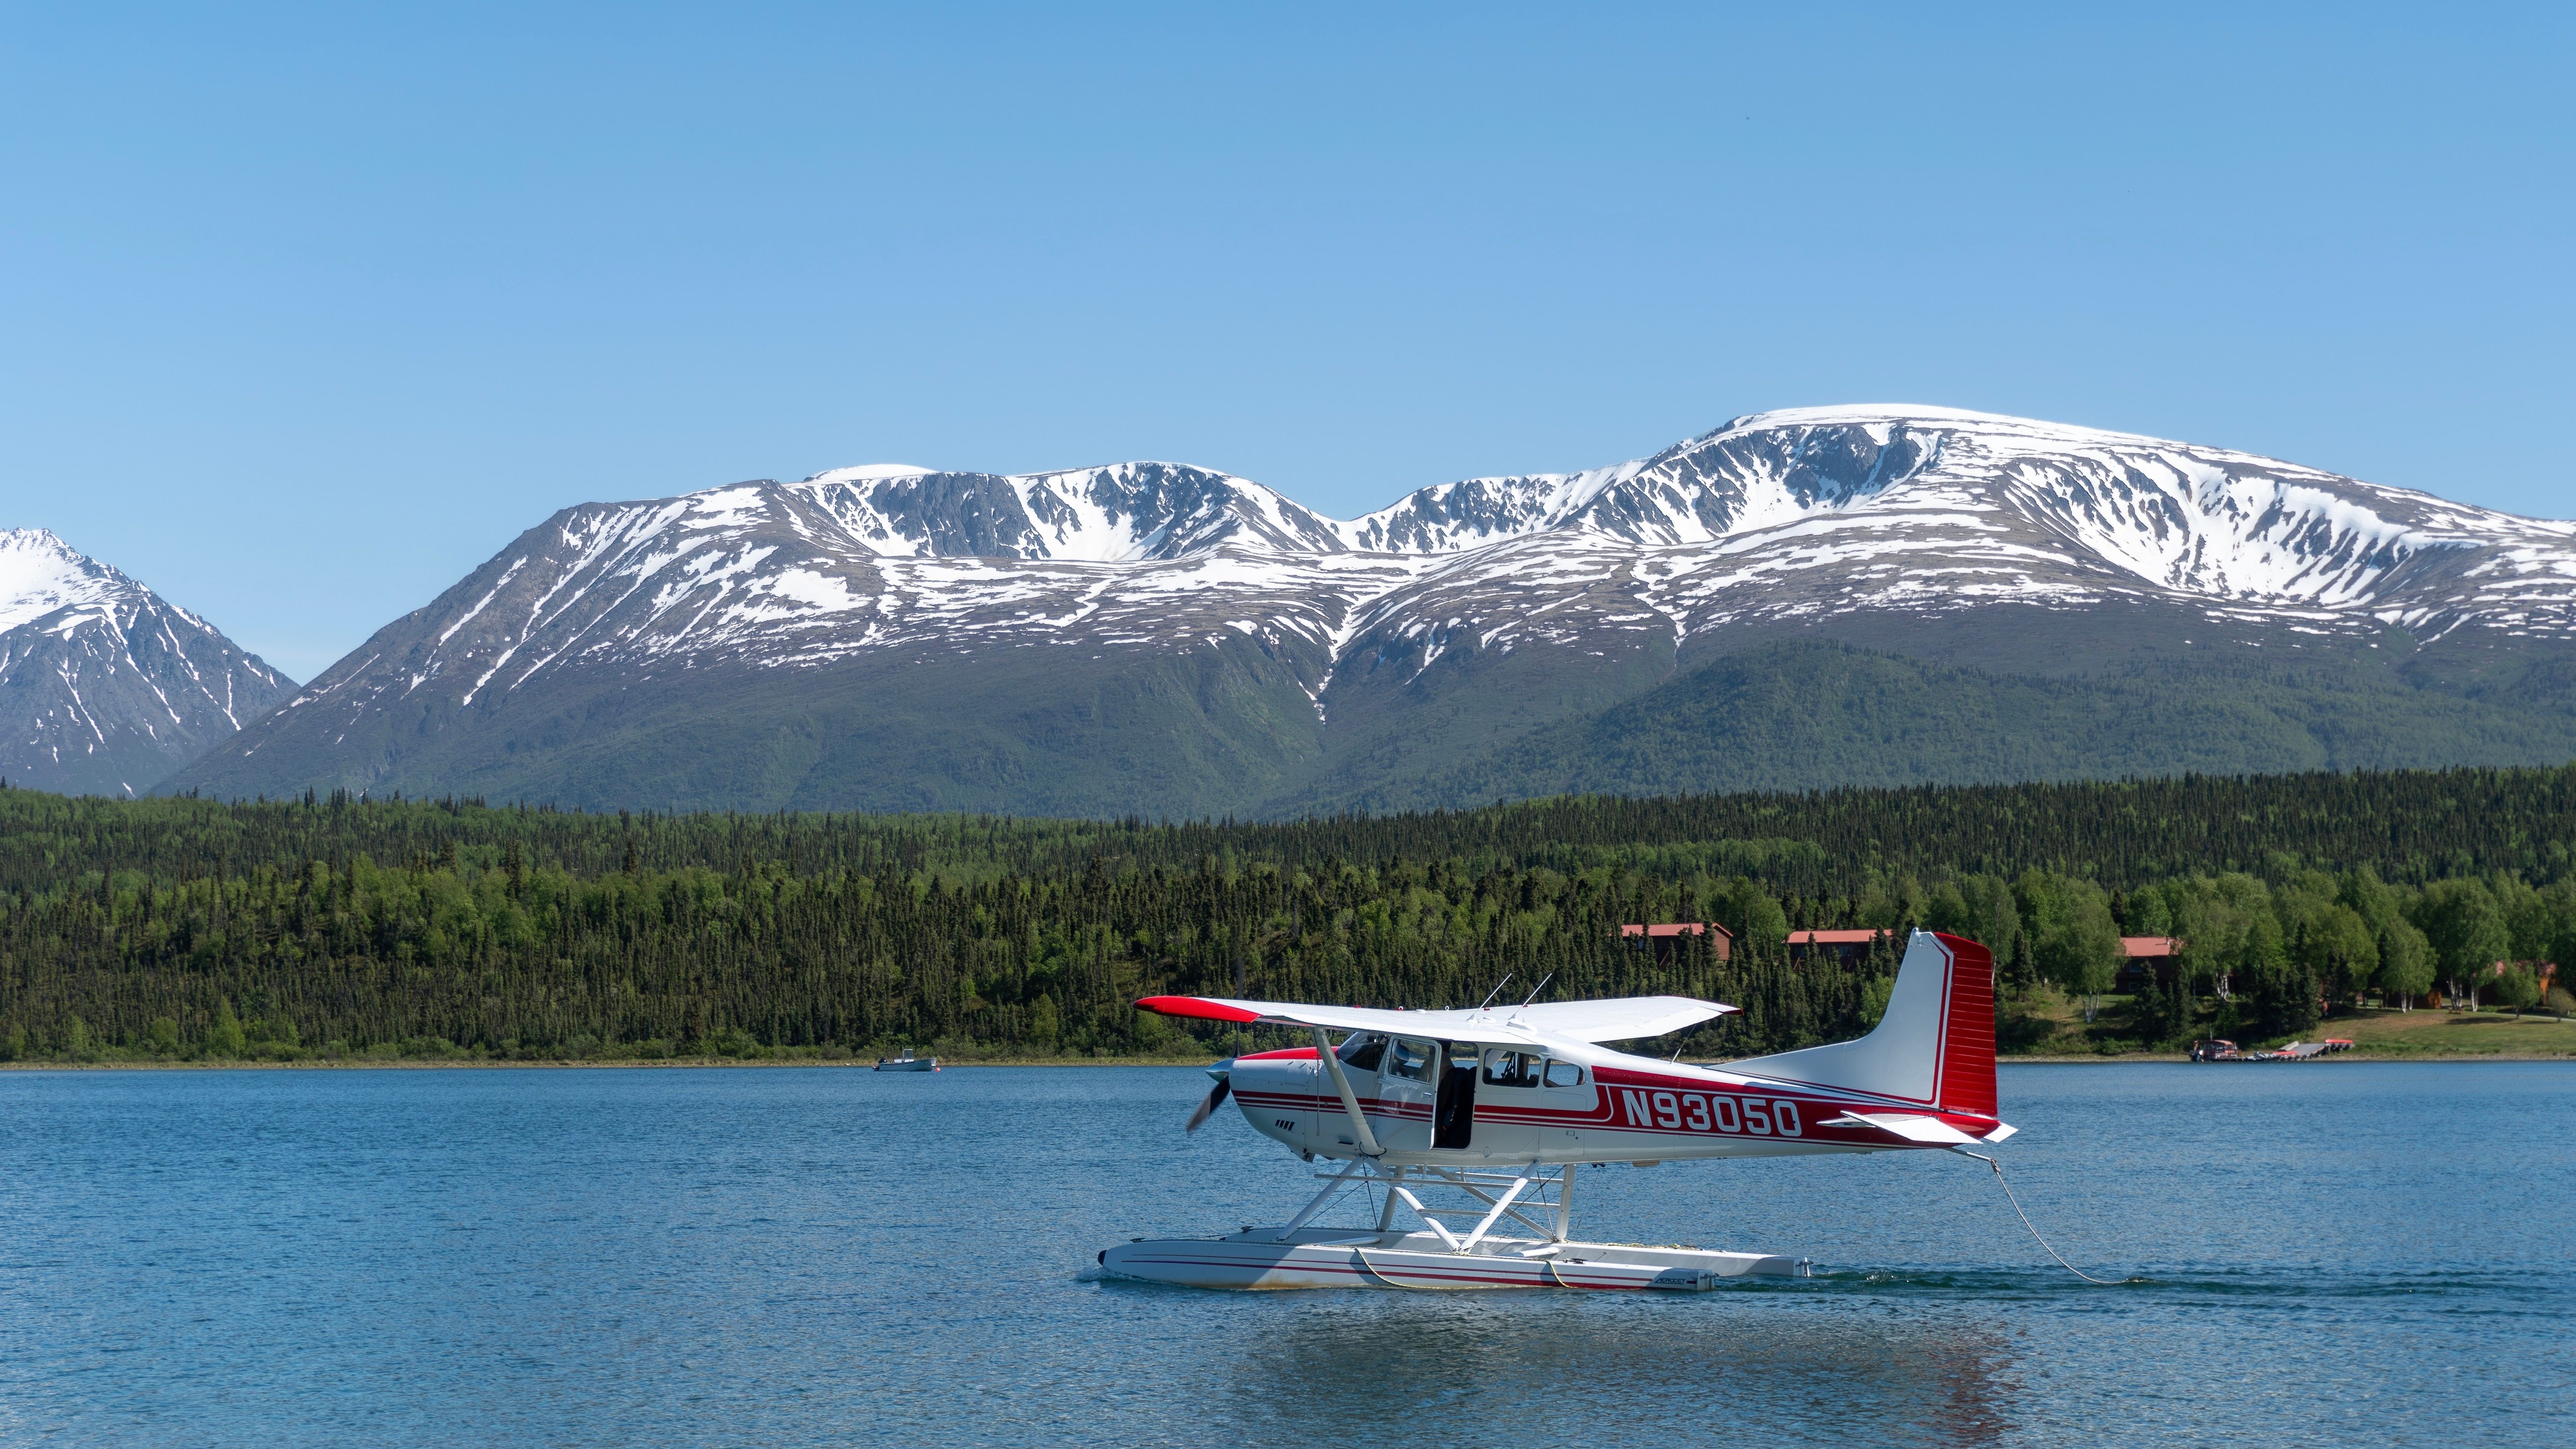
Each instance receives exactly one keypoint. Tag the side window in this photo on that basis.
(1507, 1068)
(1410, 1059)
(1362, 1053)
(1564, 1074)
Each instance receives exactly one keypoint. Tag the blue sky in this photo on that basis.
(305, 311)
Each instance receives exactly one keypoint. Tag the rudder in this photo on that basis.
(1968, 1032)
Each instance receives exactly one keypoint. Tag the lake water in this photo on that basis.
(2344, 1252)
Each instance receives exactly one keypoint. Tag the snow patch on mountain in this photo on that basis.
(39, 574)
(870, 472)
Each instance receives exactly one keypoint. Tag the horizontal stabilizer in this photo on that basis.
(1624, 1018)
(1912, 1129)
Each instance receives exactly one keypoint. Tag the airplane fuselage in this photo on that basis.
(1463, 1104)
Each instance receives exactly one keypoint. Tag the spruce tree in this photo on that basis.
(226, 1039)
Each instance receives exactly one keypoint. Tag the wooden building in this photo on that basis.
(1843, 946)
(1666, 938)
(2147, 957)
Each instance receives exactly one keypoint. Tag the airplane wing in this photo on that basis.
(1624, 1018)
(1620, 1019)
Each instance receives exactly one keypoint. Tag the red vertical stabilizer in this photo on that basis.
(1968, 1031)
(1934, 1048)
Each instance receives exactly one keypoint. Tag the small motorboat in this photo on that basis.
(907, 1063)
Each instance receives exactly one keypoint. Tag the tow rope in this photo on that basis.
(2034, 1231)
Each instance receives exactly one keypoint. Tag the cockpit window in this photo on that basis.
(1362, 1051)
(1505, 1067)
(1564, 1074)
(1410, 1059)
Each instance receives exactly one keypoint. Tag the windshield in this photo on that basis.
(1362, 1050)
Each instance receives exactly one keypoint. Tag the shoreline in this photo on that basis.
(552, 1064)
(858, 1064)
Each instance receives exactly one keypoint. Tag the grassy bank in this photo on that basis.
(2044, 1026)
(2456, 1034)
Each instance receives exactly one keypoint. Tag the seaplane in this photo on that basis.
(1489, 1113)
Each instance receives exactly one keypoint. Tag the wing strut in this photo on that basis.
(1350, 1099)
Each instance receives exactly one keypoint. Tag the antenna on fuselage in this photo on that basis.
(1497, 991)
(1535, 990)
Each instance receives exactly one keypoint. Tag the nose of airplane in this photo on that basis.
(1224, 1073)
(1275, 1091)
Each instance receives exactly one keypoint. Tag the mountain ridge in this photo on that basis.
(105, 687)
(1456, 618)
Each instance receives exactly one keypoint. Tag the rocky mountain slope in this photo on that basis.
(1157, 637)
(104, 687)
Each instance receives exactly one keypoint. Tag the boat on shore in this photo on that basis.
(2219, 1049)
(907, 1063)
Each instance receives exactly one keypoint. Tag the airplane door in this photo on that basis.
(1408, 1083)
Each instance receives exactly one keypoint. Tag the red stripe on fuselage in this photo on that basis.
(1612, 1113)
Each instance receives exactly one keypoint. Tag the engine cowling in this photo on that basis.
(1283, 1094)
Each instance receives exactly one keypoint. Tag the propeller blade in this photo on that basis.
(1215, 1099)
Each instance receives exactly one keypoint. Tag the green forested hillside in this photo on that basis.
(187, 927)
(1799, 715)
(1229, 729)
(2407, 825)
(1217, 729)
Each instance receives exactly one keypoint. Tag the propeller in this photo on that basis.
(1215, 1097)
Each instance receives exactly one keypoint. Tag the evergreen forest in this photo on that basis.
(348, 928)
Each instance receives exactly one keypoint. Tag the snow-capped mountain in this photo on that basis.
(1815, 511)
(104, 687)
(1458, 616)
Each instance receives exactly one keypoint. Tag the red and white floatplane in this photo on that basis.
(1463, 1130)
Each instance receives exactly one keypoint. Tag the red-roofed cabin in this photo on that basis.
(2148, 956)
(1845, 946)
(2546, 971)
(1667, 938)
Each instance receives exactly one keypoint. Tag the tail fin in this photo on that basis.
(1936, 1045)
